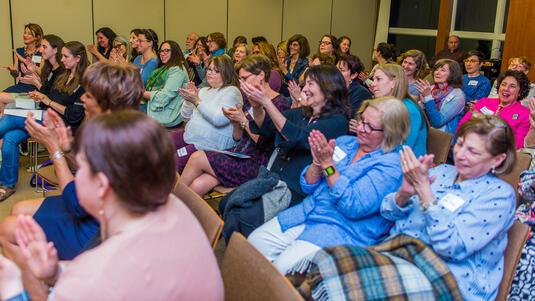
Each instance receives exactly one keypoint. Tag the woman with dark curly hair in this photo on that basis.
(512, 86)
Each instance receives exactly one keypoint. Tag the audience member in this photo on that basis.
(216, 43)
(384, 53)
(328, 45)
(415, 66)
(276, 76)
(518, 64)
(346, 182)
(390, 80)
(238, 41)
(199, 59)
(258, 39)
(147, 46)
(208, 128)
(191, 40)
(163, 100)
(475, 84)
(444, 101)
(513, 86)
(105, 38)
(452, 52)
(296, 63)
(207, 169)
(282, 55)
(134, 43)
(133, 204)
(240, 51)
(350, 66)
(344, 45)
(26, 58)
(121, 51)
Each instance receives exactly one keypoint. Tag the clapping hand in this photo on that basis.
(39, 97)
(295, 94)
(353, 124)
(190, 92)
(10, 279)
(41, 256)
(256, 93)
(53, 133)
(415, 172)
(424, 87)
(235, 114)
(321, 149)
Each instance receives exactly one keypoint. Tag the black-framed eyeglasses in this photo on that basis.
(165, 50)
(118, 46)
(324, 43)
(366, 126)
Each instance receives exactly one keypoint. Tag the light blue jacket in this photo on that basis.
(450, 111)
(471, 238)
(165, 101)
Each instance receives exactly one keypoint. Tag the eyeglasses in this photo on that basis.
(471, 61)
(325, 43)
(165, 50)
(118, 46)
(212, 70)
(368, 129)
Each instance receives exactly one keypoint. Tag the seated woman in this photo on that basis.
(164, 101)
(199, 59)
(390, 80)
(512, 86)
(350, 66)
(296, 63)
(105, 38)
(66, 224)
(444, 101)
(121, 52)
(294, 87)
(329, 45)
(216, 43)
(240, 51)
(276, 76)
(63, 97)
(449, 233)
(51, 67)
(26, 59)
(415, 66)
(134, 205)
(207, 169)
(345, 183)
(134, 43)
(282, 55)
(208, 127)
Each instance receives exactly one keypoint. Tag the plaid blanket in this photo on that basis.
(401, 268)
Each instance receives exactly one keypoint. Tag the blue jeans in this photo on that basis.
(13, 132)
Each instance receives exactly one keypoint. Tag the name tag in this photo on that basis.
(36, 59)
(182, 151)
(448, 98)
(472, 83)
(250, 111)
(451, 202)
(338, 154)
(486, 111)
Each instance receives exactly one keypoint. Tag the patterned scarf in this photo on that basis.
(439, 94)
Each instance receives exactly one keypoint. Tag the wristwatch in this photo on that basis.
(329, 171)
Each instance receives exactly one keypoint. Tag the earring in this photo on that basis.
(103, 226)
(493, 170)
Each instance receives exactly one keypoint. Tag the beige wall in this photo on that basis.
(173, 19)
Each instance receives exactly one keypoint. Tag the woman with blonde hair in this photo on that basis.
(345, 184)
(390, 79)
(415, 66)
(276, 76)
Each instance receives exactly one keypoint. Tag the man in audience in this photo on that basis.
(475, 84)
(191, 39)
(519, 63)
(453, 52)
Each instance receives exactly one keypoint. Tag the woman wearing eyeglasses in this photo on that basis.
(147, 47)
(346, 182)
(328, 45)
(208, 128)
(163, 100)
(121, 52)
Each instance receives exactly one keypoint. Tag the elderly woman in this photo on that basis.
(108, 88)
(512, 86)
(390, 80)
(444, 101)
(207, 169)
(415, 66)
(137, 212)
(345, 183)
(208, 128)
(450, 233)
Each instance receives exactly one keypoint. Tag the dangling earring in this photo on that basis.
(103, 226)
(493, 170)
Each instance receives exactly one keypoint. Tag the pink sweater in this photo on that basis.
(516, 115)
(165, 257)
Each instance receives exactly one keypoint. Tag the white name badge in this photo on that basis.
(182, 151)
(250, 111)
(472, 83)
(451, 202)
(338, 154)
(36, 59)
(486, 111)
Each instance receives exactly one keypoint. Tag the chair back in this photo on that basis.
(438, 144)
(517, 236)
(248, 275)
(207, 217)
(523, 161)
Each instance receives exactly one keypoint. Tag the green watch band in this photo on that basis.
(329, 171)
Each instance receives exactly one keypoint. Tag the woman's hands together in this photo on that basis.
(415, 175)
(321, 149)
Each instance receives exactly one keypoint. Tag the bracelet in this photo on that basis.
(243, 124)
(316, 163)
(57, 155)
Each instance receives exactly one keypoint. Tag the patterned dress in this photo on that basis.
(232, 171)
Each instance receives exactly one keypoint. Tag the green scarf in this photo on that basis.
(157, 77)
